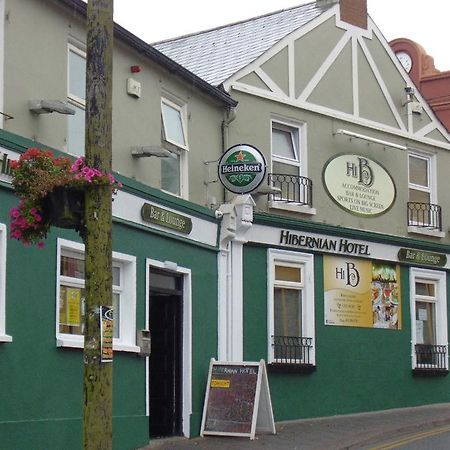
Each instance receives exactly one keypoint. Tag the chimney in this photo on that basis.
(354, 12)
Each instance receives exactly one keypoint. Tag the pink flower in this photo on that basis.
(41, 244)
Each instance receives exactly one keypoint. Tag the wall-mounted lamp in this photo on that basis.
(409, 92)
(49, 106)
(265, 189)
(145, 151)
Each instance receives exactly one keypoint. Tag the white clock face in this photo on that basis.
(405, 60)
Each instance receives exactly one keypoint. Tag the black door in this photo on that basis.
(165, 361)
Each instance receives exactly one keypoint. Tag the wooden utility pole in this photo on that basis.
(97, 413)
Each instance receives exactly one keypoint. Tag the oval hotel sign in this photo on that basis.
(242, 168)
(359, 185)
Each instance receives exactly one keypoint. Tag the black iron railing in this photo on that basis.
(292, 349)
(424, 215)
(292, 188)
(431, 356)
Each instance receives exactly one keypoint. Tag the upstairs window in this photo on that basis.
(76, 96)
(174, 136)
(285, 149)
(420, 178)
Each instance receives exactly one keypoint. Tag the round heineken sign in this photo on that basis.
(242, 168)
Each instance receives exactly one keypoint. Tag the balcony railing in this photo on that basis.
(292, 188)
(424, 215)
(431, 358)
(292, 349)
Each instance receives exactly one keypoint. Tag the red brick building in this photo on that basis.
(433, 84)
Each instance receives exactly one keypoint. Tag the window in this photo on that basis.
(71, 293)
(3, 336)
(420, 178)
(288, 174)
(291, 308)
(174, 135)
(429, 320)
(76, 96)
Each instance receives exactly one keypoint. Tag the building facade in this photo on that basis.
(334, 270)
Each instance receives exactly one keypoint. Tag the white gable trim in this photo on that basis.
(268, 81)
(355, 76)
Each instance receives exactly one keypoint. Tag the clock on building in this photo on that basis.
(405, 60)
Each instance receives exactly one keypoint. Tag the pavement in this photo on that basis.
(348, 432)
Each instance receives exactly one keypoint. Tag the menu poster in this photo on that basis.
(106, 333)
(237, 400)
(361, 293)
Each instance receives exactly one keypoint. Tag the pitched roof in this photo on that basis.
(80, 7)
(216, 54)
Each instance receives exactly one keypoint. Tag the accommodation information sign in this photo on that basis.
(237, 401)
(359, 185)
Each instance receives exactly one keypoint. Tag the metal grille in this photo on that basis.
(292, 188)
(292, 349)
(424, 215)
(431, 356)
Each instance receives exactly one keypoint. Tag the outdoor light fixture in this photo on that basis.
(49, 106)
(409, 91)
(351, 134)
(145, 151)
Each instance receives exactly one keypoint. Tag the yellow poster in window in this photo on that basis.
(361, 293)
(73, 307)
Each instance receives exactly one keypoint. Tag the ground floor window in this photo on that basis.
(429, 320)
(3, 336)
(71, 295)
(291, 308)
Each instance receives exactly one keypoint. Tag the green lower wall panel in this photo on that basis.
(357, 369)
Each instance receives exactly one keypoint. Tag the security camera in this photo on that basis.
(409, 90)
(218, 214)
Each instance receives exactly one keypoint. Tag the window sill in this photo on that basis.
(117, 347)
(5, 338)
(275, 367)
(429, 372)
(295, 207)
(426, 232)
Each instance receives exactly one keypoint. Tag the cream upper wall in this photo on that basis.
(36, 37)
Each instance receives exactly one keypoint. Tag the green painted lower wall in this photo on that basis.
(358, 369)
(41, 384)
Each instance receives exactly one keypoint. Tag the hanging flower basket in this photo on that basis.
(64, 207)
(52, 193)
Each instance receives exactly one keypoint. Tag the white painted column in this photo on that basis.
(237, 220)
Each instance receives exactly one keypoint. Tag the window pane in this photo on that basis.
(116, 276)
(170, 174)
(282, 144)
(419, 196)
(71, 310)
(77, 75)
(287, 312)
(72, 267)
(425, 289)
(418, 171)
(425, 323)
(116, 309)
(284, 273)
(173, 125)
(76, 126)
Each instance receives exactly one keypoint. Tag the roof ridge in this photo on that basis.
(196, 33)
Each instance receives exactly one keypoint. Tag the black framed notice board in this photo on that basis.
(237, 400)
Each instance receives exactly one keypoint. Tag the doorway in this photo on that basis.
(165, 364)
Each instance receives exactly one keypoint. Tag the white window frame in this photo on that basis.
(77, 102)
(127, 263)
(177, 148)
(3, 336)
(306, 261)
(431, 174)
(298, 130)
(438, 278)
